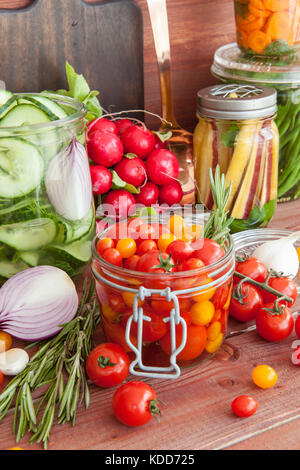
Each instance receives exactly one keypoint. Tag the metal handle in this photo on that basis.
(173, 371)
(160, 28)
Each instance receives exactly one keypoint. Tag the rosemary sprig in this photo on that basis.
(59, 364)
(217, 226)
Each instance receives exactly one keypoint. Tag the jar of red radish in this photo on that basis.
(166, 303)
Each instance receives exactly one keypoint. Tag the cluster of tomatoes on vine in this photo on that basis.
(131, 165)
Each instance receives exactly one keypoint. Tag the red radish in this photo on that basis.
(170, 194)
(122, 125)
(148, 195)
(162, 167)
(138, 140)
(132, 170)
(104, 148)
(159, 144)
(122, 203)
(101, 179)
(102, 124)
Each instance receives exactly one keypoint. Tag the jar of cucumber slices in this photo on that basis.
(46, 205)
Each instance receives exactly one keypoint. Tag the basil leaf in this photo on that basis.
(258, 217)
(77, 83)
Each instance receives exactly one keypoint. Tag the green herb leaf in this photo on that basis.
(77, 83)
(118, 183)
(163, 135)
(229, 137)
(258, 217)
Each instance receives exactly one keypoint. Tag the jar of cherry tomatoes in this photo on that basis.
(164, 291)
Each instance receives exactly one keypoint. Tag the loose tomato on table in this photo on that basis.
(264, 376)
(274, 326)
(135, 403)
(5, 341)
(245, 302)
(107, 365)
(297, 326)
(244, 406)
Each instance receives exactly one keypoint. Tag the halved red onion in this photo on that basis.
(68, 182)
(35, 302)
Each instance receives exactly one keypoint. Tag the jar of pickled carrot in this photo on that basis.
(268, 27)
(236, 130)
(165, 306)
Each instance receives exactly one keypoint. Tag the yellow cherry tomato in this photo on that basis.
(192, 233)
(5, 341)
(214, 330)
(176, 225)
(15, 448)
(206, 294)
(264, 376)
(126, 247)
(165, 240)
(213, 346)
(298, 252)
(110, 314)
(128, 298)
(202, 313)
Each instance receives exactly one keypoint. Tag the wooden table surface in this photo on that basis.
(196, 410)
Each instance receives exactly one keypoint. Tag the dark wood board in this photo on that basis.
(102, 40)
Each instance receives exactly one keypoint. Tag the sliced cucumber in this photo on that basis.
(5, 96)
(30, 257)
(30, 235)
(48, 106)
(10, 268)
(70, 232)
(71, 258)
(21, 167)
(23, 115)
(7, 102)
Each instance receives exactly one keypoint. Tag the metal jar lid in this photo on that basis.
(237, 102)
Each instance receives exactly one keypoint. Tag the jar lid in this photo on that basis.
(237, 102)
(231, 64)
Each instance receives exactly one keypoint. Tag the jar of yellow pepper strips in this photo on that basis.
(236, 130)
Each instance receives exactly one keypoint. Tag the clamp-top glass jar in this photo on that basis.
(236, 130)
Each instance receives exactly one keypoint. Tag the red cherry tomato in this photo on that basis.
(220, 297)
(112, 256)
(145, 246)
(251, 302)
(180, 250)
(244, 406)
(107, 365)
(152, 258)
(148, 195)
(138, 140)
(132, 171)
(104, 148)
(274, 327)
(1, 379)
(170, 194)
(102, 124)
(190, 264)
(116, 302)
(135, 403)
(209, 251)
(119, 203)
(153, 330)
(104, 244)
(162, 167)
(131, 262)
(282, 284)
(101, 179)
(252, 268)
(297, 326)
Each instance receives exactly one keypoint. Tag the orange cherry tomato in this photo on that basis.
(5, 341)
(126, 247)
(195, 343)
(104, 244)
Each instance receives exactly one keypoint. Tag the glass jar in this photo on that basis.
(236, 131)
(230, 66)
(268, 27)
(194, 307)
(33, 228)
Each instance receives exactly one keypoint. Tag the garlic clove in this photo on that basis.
(13, 361)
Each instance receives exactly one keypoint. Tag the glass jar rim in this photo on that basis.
(211, 270)
(80, 112)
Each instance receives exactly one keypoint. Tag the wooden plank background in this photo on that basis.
(197, 29)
